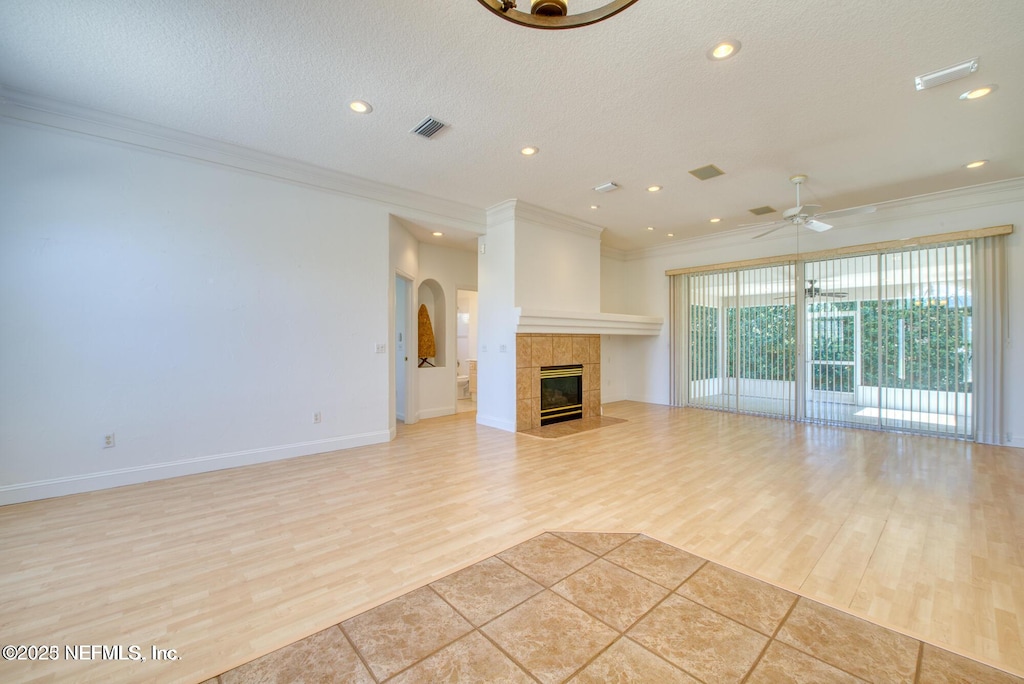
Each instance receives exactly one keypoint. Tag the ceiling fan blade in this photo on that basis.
(817, 226)
(769, 232)
(849, 212)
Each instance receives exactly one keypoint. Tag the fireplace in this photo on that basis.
(561, 393)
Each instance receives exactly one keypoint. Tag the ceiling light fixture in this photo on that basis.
(437, 233)
(653, 188)
(594, 206)
(360, 107)
(724, 50)
(553, 14)
(979, 92)
(650, 227)
(715, 220)
(976, 164)
(529, 151)
(671, 234)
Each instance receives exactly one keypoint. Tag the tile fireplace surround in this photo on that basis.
(535, 350)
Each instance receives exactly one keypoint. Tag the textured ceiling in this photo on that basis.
(825, 89)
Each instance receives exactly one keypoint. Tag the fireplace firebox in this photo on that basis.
(561, 393)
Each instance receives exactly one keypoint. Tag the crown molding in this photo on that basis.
(35, 110)
(518, 210)
(917, 206)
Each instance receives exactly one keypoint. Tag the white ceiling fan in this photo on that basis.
(808, 215)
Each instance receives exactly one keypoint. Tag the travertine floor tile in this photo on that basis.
(661, 563)
(611, 593)
(784, 665)
(942, 667)
(599, 543)
(485, 590)
(470, 659)
(756, 604)
(549, 636)
(857, 646)
(698, 640)
(626, 662)
(398, 633)
(546, 558)
(323, 657)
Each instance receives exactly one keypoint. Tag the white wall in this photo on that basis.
(557, 268)
(453, 269)
(496, 369)
(992, 205)
(199, 313)
(613, 285)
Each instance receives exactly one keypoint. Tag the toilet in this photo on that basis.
(462, 386)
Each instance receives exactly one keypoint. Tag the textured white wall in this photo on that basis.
(496, 369)
(557, 269)
(199, 313)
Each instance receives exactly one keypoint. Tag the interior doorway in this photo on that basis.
(403, 315)
(465, 350)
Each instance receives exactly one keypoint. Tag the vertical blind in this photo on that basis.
(880, 340)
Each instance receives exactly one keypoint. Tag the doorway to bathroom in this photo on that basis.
(466, 341)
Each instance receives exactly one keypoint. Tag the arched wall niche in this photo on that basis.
(431, 295)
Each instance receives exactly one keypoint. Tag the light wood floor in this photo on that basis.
(919, 534)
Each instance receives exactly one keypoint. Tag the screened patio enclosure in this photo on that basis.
(881, 340)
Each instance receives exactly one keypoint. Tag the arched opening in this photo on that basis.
(431, 298)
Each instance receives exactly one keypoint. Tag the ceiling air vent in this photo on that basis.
(925, 81)
(428, 127)
(707, 172)
(761, 211)
(607, 187)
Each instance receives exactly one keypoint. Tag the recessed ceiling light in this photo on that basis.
(979, 92)
(437, 233)
(715, 220)
(653, 188)
(360, 107)
(529, 151)
(594, 206)
(976, 164)
(650, 227)
(724, 50)
(671, 234)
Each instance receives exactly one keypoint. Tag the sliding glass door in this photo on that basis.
(742, 332)
(881, 340)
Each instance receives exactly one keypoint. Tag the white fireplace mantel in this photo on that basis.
(577, 323)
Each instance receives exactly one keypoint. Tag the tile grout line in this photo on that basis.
(771, 639)
(355, 649)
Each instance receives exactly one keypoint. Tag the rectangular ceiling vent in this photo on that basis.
(607, 187)
(761, 211)
(428, 127)
(707, 172)
(937, 78)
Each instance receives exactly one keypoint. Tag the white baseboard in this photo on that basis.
(436, 412)
(500, 423)
(89, 482)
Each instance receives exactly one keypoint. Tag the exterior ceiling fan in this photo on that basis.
(808, 215)
(812, 291)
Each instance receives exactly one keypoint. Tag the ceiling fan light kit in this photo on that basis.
(552, 14)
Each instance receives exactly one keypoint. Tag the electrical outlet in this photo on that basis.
(108, 441)
(317, 417)
(381, 348)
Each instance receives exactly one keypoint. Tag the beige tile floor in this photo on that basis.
(607, 607)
